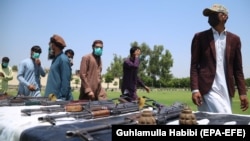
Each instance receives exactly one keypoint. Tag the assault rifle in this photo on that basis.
(162, 115)
(165, 113)
(84, 132)
(66, 106)
(98, 112)
(22, 101)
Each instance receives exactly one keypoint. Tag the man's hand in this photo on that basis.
(197, 98)
(91, 95)
(31, 87)
(147, 89)
(1, 74)
(137, 53)
(243, 102)
(38, 62)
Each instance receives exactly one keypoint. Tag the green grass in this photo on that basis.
(169, 97)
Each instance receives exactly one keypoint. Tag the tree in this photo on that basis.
(165, 64)
(155, 65)
(159, 66)
(115, 68)
(77, 80)
(248, 82)
(144, 59)
(108, 79)
(15, 68)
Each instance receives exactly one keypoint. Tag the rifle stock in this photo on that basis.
(166, 113)
(162, 115)
(110, 110)
(42, 109)
(84, 133)
(66, 106)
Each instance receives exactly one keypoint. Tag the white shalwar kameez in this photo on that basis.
(217, 99)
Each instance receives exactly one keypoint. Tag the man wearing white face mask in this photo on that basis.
(29, 74)
(5, 75)
(70, 53)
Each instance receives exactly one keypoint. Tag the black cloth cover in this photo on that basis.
(58, 133)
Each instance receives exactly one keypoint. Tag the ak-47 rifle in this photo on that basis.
(66, 106)
(165, 113)
(162, 114)
(22, 101)
(84, 132)
(97, 112)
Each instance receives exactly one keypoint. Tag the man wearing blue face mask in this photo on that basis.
(5, 75)
(90, 74)
(29, 74)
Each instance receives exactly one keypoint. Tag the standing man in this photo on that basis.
(59, 77)
(70, 53)
(216, 65)
(90, 74)
(29, 74)
(130, 78)
(5, 75)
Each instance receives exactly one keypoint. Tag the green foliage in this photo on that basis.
(248, 82)
(115, 69)
(15, 68)
(155, 65)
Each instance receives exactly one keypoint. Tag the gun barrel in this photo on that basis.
(52, 118)
(83, 133)
(43, 109)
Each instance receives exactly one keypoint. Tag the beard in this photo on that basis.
(51, 56)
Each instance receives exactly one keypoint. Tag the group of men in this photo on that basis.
(30, 72)
(216, 67)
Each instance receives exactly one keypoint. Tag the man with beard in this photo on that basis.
(5, 75)
(59, 77)
(216, 65)
(90, 74)
(29, 74)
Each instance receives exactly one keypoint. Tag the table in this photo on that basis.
(14, 126)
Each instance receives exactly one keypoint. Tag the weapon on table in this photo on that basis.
(66, 106)
(4, 96)
(84, 132)
(154, 104)
(22, 101)
(146, 117)
(98, 112)
(165, 113)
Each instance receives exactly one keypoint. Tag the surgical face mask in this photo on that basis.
(98, 51)
(71, 61)
(51, 54)
(5, 65)
(35, 55)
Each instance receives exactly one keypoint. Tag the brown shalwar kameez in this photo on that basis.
(90, 74)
